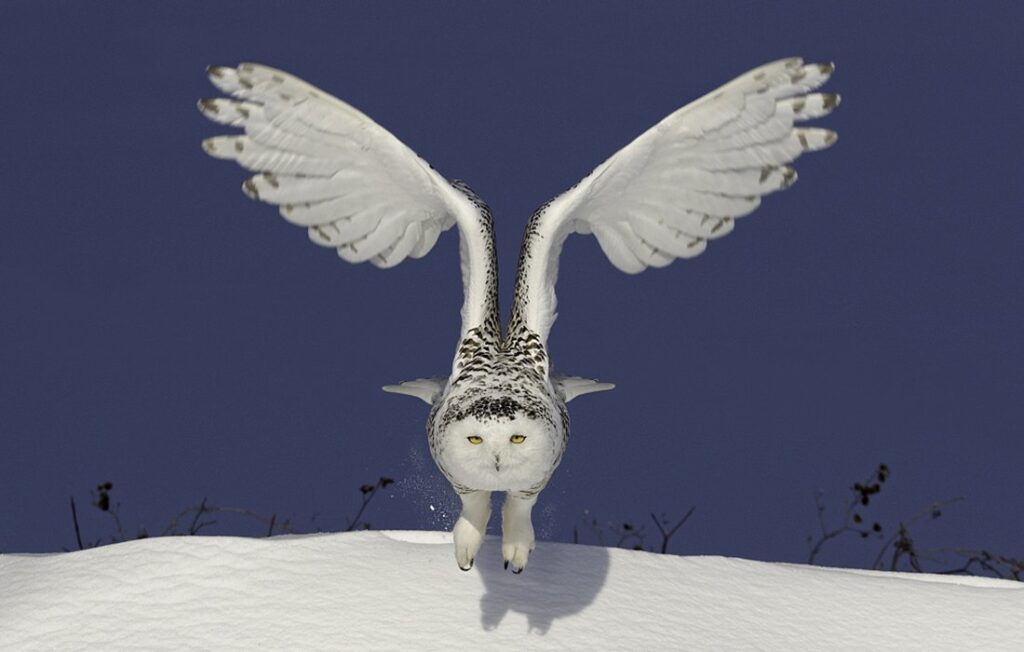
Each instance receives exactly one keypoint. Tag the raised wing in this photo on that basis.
(681, 183)
(354, 186)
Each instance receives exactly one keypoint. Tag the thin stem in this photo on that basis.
(368, 492)
(192, 529)
(74, 517)
(367, 497)
(213, 509)
(665, 536)
(913, 519)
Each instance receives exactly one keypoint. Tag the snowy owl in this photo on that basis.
(498, 421)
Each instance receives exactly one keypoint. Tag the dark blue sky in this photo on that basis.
(161, 331)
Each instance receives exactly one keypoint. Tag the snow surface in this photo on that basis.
(402, 590)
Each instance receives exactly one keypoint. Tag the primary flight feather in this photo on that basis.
(498, 420)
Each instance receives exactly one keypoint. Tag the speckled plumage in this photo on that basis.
(497, 379)
(498, 421)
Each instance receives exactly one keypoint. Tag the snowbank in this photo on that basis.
(402, 590)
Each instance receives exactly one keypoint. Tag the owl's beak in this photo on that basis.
(497, 463)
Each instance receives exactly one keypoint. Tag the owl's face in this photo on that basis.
(505, 454)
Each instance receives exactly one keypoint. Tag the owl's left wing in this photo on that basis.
(681, 183)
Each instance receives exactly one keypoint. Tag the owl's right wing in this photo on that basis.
(354, 186)
(683, 182)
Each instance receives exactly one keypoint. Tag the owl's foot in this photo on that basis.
(470, 528)
(517, 540)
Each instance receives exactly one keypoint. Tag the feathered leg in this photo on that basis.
(472, 525)
(517, 540)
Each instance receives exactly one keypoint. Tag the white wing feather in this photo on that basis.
(331, 169)
(427, 390)
(569, 387)
(683, 182)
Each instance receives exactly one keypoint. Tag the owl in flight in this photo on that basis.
(498, 421)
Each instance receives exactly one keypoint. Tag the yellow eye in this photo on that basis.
(518, 439)
(475, 439)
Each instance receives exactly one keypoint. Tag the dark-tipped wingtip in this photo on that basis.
(207, 105)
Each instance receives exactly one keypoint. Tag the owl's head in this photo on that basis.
(498, 445)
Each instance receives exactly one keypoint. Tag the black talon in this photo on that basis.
(506, 565)
(516, 571)
(467, 568)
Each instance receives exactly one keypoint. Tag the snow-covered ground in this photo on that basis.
(402, 590)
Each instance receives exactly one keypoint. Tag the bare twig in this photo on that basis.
(203, 508)
(904, 546)
(74, 517)
(862, 493)
(192, 529)
(102, 501)
(900, 551)
(665, 536)
(629, 535)
(114, 514)
(1014, 567)
(368, 491)
(628, 532)
(999, 566)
